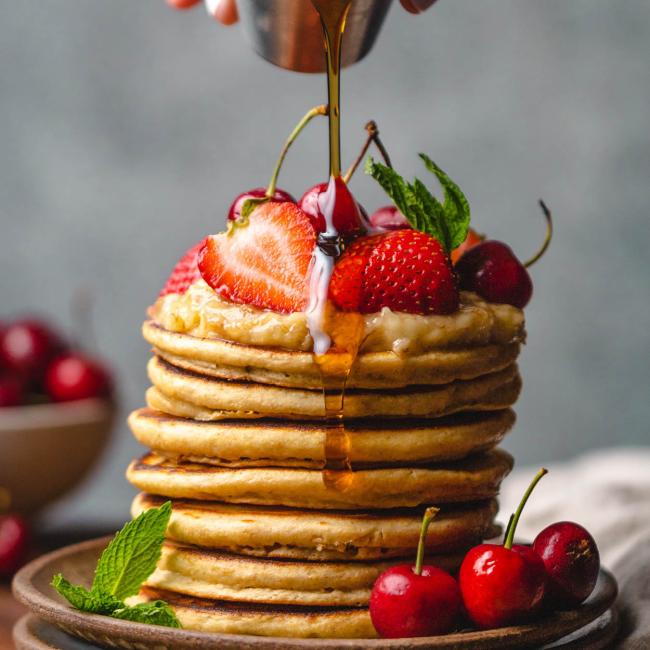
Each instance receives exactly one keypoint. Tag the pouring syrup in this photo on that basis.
(337, 336)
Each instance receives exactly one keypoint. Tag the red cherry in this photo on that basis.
(26, 347)
(335, 200)
(501, 586)
(74, 376)
(389, 218)
(11, 390)
(404, 604)
(572, 562)
(14, 537)
(492, 270)
(505, 584)
(410, 601)
(280, 196)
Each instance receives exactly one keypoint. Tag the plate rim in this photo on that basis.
(57, 613)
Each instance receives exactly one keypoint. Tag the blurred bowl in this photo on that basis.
(47, 449)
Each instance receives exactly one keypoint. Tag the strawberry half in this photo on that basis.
(185, 273)
(404, 270)
(264, 263)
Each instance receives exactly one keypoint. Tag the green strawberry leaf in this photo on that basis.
(156, 612)
(84, 600)
(133, 554)
(448, 222)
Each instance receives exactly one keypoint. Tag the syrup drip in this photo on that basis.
(337, 338)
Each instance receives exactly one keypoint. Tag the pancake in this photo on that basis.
(225, 576)
(321, 535)
(225, 617)
(186, 394)
(474, 479)
(261, 443)
(280, 367)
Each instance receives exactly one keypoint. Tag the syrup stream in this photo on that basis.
(337, 337)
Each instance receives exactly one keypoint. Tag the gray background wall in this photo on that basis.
(126, 129)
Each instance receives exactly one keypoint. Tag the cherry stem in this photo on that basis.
(373, 136)
(322, 109)
(514, 520)
(547, 238)
(429, 515)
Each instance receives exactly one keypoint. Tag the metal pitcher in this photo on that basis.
(288, 32)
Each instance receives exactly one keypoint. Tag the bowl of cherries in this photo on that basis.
(56, 413)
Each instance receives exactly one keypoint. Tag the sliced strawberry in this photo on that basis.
(185, 273)
(264, 263)
(404, 270)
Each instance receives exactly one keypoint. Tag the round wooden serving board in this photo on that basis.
(77, 563)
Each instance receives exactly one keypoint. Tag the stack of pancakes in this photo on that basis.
(258, 542)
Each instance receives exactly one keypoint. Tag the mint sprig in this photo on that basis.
(448, 221)
(125, 564)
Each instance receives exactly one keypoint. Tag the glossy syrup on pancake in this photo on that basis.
(336, 345)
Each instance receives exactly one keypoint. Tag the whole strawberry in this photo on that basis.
(404, 270)
(185, 273)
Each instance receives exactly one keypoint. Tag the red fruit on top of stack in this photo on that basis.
(493, 271)
(335, 200)
(75, 376)
(404, 270)
(182, 4)
(264, 263)
(473, 239)
(185, 273)
(279, 196)
(389, 218)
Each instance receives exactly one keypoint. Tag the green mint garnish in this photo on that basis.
(448, 221)
(125, 564)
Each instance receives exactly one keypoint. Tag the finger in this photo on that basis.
(416, 6)
(225, 11)
(182, 4)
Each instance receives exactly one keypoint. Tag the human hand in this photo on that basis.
(225, 11)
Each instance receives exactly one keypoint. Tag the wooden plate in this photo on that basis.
(77, 563)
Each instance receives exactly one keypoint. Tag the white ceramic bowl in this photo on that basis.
(47, 449)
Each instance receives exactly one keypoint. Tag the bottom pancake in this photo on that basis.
(321, 535)
(222, 617)
(226, 576)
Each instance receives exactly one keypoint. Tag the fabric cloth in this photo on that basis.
(607, 492)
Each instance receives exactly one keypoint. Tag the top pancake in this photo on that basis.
(275, 366)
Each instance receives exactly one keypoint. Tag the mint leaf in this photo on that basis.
(82, 599)
(133, 554)
(456, 205)
(394, 185)
(156, 612)
(448, 222)
(125, 564)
